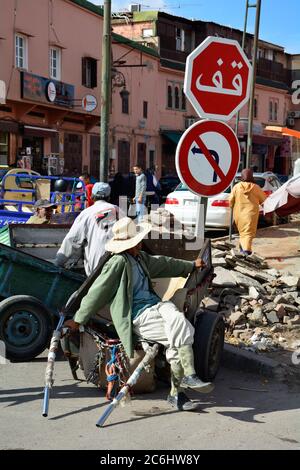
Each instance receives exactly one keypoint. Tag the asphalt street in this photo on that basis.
(243, 412)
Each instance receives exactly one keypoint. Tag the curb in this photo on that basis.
(247, 361)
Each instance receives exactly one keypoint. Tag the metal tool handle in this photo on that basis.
(150, 354)
(50, 366)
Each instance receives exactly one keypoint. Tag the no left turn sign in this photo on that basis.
(208, 157)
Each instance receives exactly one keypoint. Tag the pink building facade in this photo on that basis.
(52, 72)
(175, 37)
(51, 65)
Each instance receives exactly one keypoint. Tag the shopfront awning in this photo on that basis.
(35, 131)
(267, 140)
(284, 131)
(173, 136)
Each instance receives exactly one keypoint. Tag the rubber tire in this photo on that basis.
(208, 344)
(30, 304)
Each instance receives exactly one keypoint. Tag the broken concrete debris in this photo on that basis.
(261, 306)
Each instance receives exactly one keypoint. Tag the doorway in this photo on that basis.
(34, 146)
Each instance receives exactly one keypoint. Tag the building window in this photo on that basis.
(183, 100)
(175, 96)
(21, 51)
(273, 110)
(147, 32)
(145, 109)
(179, 39)
(269, 54)
(55, 63)
(255, 108)
(125, 101)
(3, 148)
(170, 96)
(89, 72)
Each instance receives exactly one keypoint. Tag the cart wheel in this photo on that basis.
(208, 344)
(25, 327)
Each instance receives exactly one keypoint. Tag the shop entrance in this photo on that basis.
(34, 147)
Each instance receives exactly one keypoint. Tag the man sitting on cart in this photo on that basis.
(43, 212)
(125, 285)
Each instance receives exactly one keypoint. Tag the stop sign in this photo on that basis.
(217, 78)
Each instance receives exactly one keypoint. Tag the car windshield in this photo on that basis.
(265, 183)
(259, 181)
(183, 187)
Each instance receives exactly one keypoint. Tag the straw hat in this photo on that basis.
(126, 235)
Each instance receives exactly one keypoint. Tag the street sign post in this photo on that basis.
(217, 78)
(208, 157)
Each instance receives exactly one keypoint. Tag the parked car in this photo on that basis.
(167, 185)
(182, 203)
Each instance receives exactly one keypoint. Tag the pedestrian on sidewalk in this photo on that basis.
(140, 192)
(245, 200)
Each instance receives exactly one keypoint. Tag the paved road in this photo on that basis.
(234, 416)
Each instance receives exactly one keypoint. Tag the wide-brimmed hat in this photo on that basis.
(40, 203)
(127, 235)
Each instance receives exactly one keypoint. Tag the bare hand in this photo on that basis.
(73, 325)
(140, 199)
(199, 263)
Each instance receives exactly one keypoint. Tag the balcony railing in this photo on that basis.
(273, 71)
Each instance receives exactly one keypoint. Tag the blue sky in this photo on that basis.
(279, 19)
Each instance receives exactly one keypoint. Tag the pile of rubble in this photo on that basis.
(261, 306)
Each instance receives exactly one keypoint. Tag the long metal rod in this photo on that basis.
(105, 91)
(251, 104)
(150, 354)
(238, 115)
(50, 365)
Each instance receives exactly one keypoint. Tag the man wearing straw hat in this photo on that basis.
(125, 285)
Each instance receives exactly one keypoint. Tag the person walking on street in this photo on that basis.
(153, 187)
(117, 188)
(85, 177)
(43, 212)
(140, 192)
(125, 285)
(245, 200)
(90, 231)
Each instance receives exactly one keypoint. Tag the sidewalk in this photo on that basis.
(280, 246)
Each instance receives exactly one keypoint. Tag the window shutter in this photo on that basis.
(93, 73)
(83, 63)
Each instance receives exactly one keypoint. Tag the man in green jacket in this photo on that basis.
(125, 285)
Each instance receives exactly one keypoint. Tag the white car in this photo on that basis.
(182, 203)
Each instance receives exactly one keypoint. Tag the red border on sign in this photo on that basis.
(185, 144)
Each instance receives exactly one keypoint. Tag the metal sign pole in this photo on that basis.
(238, 115)
(200, 217)
(105, 92)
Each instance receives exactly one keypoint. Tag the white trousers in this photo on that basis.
(166, 325)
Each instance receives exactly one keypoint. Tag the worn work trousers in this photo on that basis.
(166, 325)
(141, 209)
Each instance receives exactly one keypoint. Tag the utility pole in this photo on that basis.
(252, 94)
(238, 114)
(105, 91)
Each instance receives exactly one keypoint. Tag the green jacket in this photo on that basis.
(113, 287)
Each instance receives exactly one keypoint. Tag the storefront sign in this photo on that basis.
(36, 88)
(89, 103)
(51, 92)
